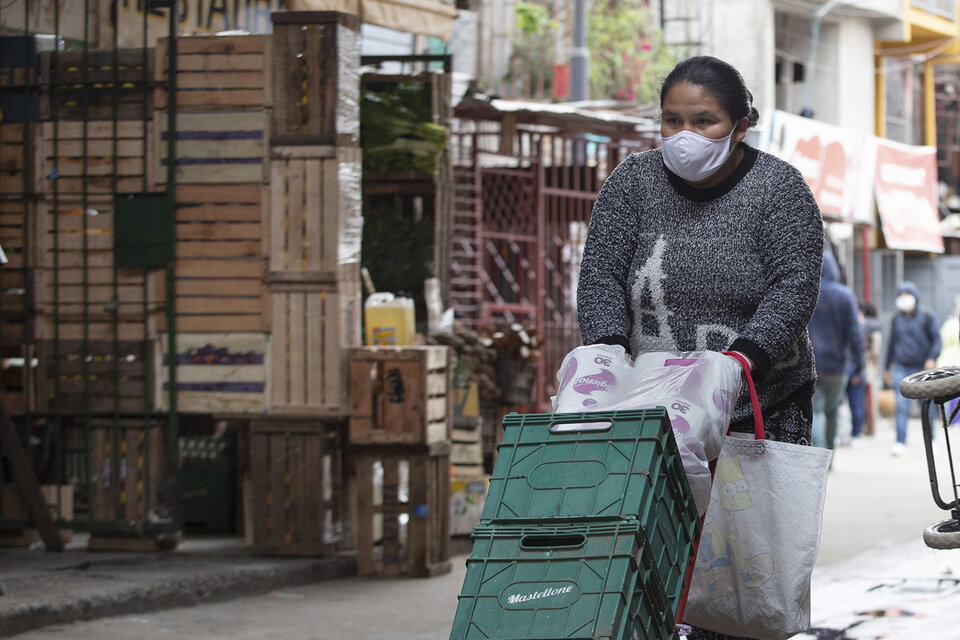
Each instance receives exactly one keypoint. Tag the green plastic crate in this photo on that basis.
(545, 583)
(628, 470)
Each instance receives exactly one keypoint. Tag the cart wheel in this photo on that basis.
(942, 382)
(943, 535)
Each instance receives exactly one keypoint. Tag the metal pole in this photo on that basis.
(579, 55)
(172, 442)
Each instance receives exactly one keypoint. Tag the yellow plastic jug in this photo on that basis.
(388, 320)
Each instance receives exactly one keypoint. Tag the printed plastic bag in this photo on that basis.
(698, 389)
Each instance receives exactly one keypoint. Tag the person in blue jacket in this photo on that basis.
(913, 345)
(837, 340)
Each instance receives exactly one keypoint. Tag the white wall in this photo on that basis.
(741, 32)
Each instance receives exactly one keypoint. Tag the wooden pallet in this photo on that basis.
(103, 84)
(295, 468)
(216, 148)
(312, 330)
(225, 73)
(220, 266)
(403, 510)
(99, 157)
(315, 58)
(399, 395)
(127, 467)
(94, 375)
(14, 156)
(225, 373)
(14, 317)
(315, 208)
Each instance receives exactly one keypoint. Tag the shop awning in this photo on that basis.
(424, 17)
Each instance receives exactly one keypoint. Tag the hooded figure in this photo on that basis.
(913, 345)
(837, 340)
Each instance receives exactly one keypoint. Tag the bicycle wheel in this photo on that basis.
(942, 382)
(943, 535)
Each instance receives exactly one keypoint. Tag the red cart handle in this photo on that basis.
(758, 430)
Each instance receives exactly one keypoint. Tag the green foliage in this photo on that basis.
(396, 131)
(533, 45)
(397, 249)
(627, 58)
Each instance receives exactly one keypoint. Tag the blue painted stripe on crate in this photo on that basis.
(216, 135)
(219, 387)
(199, 358)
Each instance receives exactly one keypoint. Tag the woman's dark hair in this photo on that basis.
(719, 78)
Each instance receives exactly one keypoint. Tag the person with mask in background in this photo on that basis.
(837, 342)
(913, 344)
(709, 244)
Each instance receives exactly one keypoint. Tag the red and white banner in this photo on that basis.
(905, 184)
(830, 158)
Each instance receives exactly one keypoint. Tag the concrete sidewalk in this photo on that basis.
(41, 589)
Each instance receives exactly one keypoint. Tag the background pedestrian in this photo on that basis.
(913, 344)
(837, 340)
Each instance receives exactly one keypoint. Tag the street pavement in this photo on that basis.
(874, 578)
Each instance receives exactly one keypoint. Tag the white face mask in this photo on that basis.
(694, 157)
(906, 302)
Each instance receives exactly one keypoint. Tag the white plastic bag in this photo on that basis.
(698, 389)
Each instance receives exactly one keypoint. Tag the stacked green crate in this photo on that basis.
(583, 476)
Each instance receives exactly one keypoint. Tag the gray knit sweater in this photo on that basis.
(736, 266)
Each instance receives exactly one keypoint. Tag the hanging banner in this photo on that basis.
(64, 18)
(905, 184)
(195, 17)
(830, 158)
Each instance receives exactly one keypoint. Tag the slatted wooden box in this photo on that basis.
(227, 147)
(97, 157)
(403, 510)
(315, 58)
(400, 395)
(78, 290)
(127, 467)
(97, 84)
(222, 73)
(14, 238)
(225, 373)
(316, 221)
(94, 375)
(313, 326)
(295, 468)
(220, 266)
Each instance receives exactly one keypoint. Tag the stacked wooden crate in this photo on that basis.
(221, 172)
(315, 220)
(312, 284)
(400, 426)
(94, 322)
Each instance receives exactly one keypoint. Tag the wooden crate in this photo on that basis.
(14, 156)
(313, 327)
(127, 466)
(315, 58)
(100, 157)
(94, 375)
(296, 479)
(78, 291)
(97, 84)
(220, 266)
(225, 373)
(400, 395)
(223, 73)
(403, 510)
(58, 498)
(316, 220)
(215, 148)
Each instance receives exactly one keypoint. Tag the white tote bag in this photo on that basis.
(760, 537)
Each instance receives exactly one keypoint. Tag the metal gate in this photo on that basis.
(88, 230)
(523, 203)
